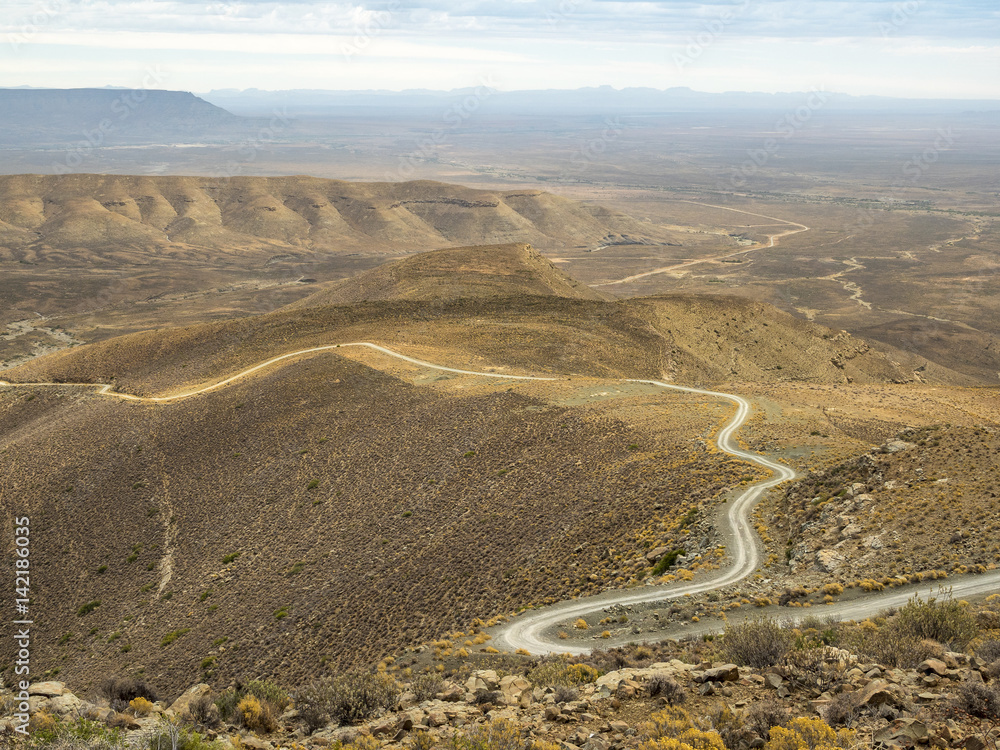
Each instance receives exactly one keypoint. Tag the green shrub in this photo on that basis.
(120, 691)
(947, 621)
(173, 636)
(760, 642)
(89, 607)
(426, 686)
(666, 562)
(230, 557)
(171, 735)
(271, 700)
(346, 699)
(80, 734)
(497, 734)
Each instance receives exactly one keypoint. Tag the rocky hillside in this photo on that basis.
(677, 695)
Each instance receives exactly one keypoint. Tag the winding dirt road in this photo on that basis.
(528, 631)
(772, 242)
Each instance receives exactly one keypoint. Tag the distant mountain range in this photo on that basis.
(100, 117)
(600, 100)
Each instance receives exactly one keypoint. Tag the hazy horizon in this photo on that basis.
(905, 49)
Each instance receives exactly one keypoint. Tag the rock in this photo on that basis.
(935, 666)
(436, 719)
(516, 691)
(876, 693)
(66, 704)
(47, 689)
(897, 446)
(619, 727)
(182, 706)
(707, 688)
(653, 556)
(828, 560)
(488, 676)
(872, 542)
(596, 743)
(254, 743)
(725, 673)
(772, 680)
(974, 743)
(850, 531)
(902, 733)
(451, 693)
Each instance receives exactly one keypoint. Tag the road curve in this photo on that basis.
(528, 631)
(106, 390)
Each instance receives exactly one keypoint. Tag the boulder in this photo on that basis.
(516, 691)
(828, 560)
(47, 689)
(897, 446)
(876, 693)
(182, 706)
(725, 673)
(935, 666)
(653, 556)
(66, 704)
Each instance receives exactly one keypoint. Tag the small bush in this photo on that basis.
(843, 710)
(347, 699)
(171, 735)
(140, 706)
(809, 734)
(87, 608)
(497, 734)
(204, 712)
(673, 725)
(756, 643)
(946, 621)
(761, 716)
(979, 699)
(581, 624)
(989, 651)
(121, 691)
(255, 715)
(566, 694)
(270, 697)
(81, 734)
(666, 687)
(426, 686)
(558, 672)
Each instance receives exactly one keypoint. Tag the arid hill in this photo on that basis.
(78, 219)
(323, 512)
(453, 273)
(265, 527)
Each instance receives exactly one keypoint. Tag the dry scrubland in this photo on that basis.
(926, 675)
(319, 513)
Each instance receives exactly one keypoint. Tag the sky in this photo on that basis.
(907, 48)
